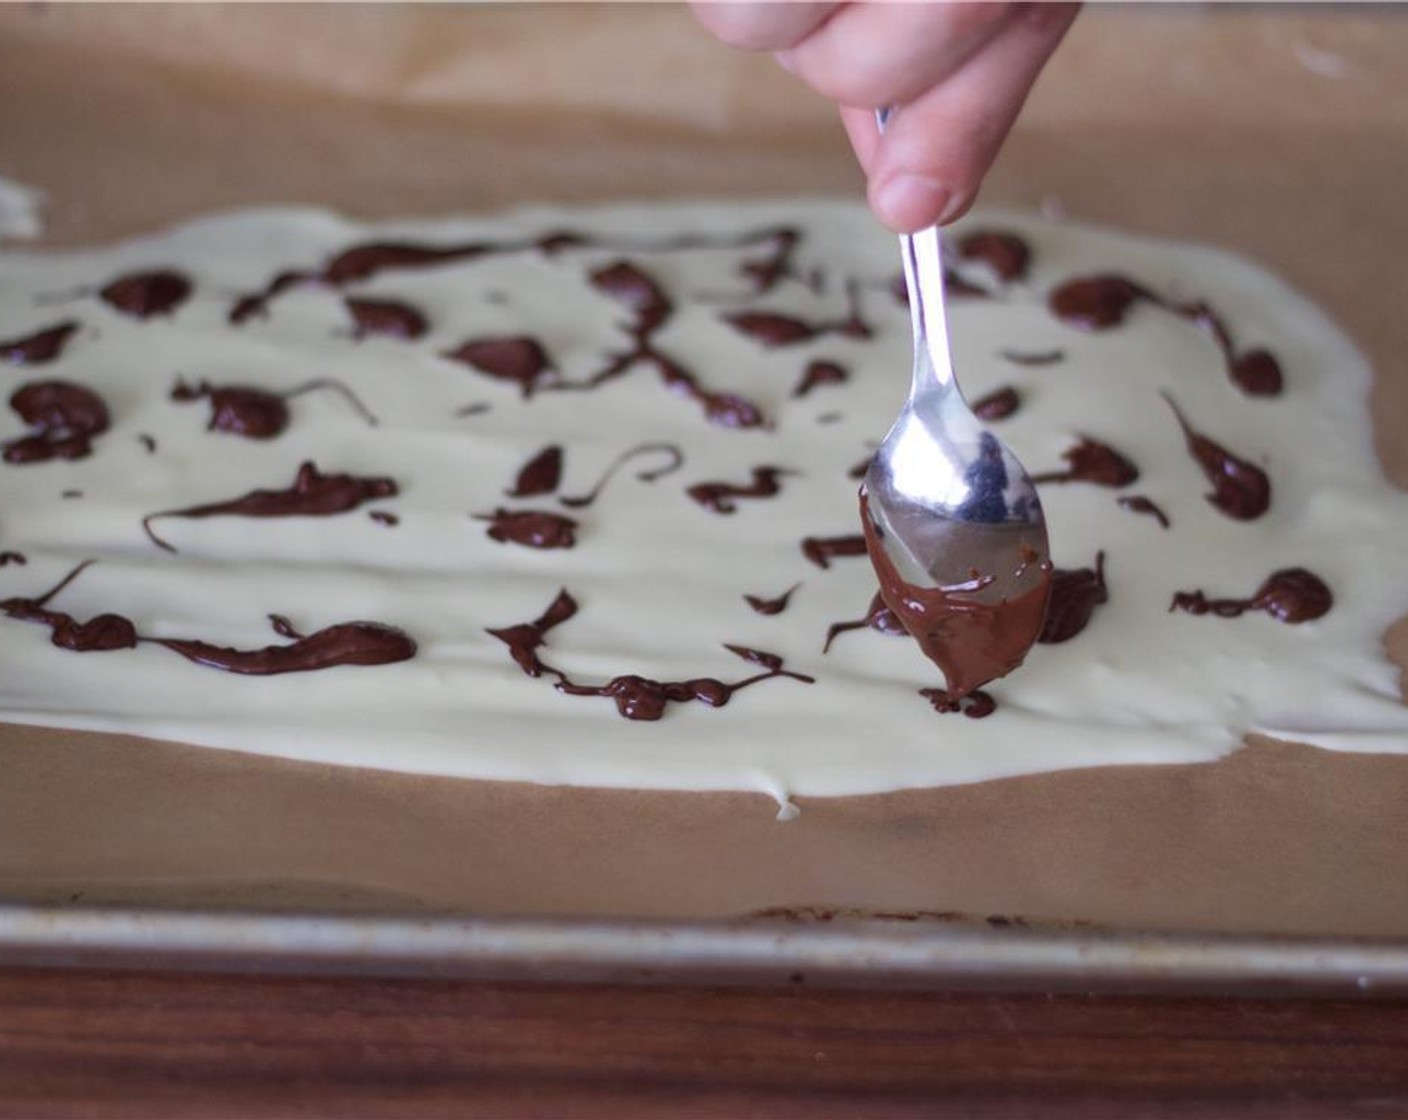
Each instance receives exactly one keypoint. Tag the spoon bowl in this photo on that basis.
(952, 520)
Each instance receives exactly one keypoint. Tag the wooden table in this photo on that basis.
(109, 1043)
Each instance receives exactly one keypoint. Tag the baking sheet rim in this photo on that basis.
(876, 954)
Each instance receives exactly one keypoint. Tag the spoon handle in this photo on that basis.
(922, 254)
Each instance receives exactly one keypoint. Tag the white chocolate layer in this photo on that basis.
(660, 579)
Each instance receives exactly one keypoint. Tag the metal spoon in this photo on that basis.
(953, 522)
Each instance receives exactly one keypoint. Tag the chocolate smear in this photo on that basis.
(531, 528)
(772, 606)
(1138, 503)
(518, 358)
(148, 442)
(63, 418)
(7, 557)
(1075, 593)
(525, 639)
(975, 705)
(997, 405)
(385, 317)
(312, 494)
(628, 284)
(822, 550)
(384, 517)
(818, 373)
(1240, 489)
(42, 346)
(540, 475)
(720, 496)
(1291, 595)
(254, 413)
(1094, 462)
(145, 294)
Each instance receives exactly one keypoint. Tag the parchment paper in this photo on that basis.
(1277, 133)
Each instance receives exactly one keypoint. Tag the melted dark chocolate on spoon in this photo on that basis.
(971, 640)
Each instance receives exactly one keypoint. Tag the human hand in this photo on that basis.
(959, 70)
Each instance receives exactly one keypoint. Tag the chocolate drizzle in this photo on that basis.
(147, 442)
(775, 605)
(997, 405)
(254, 413)
(1138, 503)
(1291, 595)
(719, 496)
(878, 617)
(362, 262)
(145, 294)
(540, 475)
(347, 643)
(384, 517)
(530, 527)
(63, 418)
(312, 494)
(674, 459)
(1096, 303)
(42, 346)
(7, 557)
(388, 318)
(820, 372)
(1075, 593)
(1094, 462)
(822, 550)
(1005, 253)
(636, 697)
(1240, 489)
(516, 358)
(773, 330)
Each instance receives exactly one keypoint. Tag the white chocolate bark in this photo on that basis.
(660, 580)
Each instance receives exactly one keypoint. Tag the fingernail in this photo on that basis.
(909, 202)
